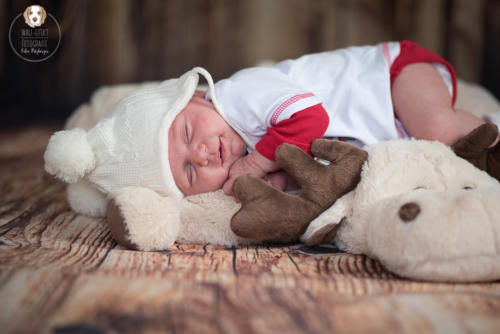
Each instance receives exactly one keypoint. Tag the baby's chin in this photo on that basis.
(225, 180)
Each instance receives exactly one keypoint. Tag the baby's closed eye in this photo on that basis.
(186, 135)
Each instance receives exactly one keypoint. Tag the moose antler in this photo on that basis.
(475, 147)
(269, 214)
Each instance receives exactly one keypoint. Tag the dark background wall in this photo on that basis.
(114, 41)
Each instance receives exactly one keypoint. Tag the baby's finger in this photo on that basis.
(227, 187)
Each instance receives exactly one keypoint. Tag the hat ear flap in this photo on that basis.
(69, 155)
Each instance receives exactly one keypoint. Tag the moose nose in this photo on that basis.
(409, 211)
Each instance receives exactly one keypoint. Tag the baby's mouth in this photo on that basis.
(221, 151)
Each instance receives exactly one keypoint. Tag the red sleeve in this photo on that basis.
(301, 129)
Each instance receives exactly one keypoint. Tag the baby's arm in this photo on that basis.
(300, 130)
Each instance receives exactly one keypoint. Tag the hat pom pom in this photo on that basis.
(69, 155)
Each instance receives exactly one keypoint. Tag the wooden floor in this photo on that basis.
(63, 273)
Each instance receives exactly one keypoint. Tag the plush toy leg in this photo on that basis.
(139, 218)
(271, 215)
(323, 229)
(323, 235)
(118, 225)
(475, 148)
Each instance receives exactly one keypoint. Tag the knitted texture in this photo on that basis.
(130, 144)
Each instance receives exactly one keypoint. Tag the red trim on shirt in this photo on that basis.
(400, 131)
(286, 104)
(301, 129)
(413, 53)
(387, 53)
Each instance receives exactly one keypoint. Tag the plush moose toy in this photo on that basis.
(417, 207)
(422, 211)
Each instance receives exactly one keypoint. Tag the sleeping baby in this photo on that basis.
(179, 141)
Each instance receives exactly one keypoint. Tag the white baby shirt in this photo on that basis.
(352, 84)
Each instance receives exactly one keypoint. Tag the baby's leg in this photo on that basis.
(422, 103)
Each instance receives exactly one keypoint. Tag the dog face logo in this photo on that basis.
(34, 16)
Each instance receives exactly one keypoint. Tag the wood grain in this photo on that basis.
(63, 273)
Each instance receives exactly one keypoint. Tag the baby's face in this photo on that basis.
(202, 147)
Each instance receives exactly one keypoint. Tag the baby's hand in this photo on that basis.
(253, 163)
(278, 180)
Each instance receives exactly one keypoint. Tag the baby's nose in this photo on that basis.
(201, 154)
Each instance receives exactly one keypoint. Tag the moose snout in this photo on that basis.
(409, 211)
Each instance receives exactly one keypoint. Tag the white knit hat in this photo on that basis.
(129, 146)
